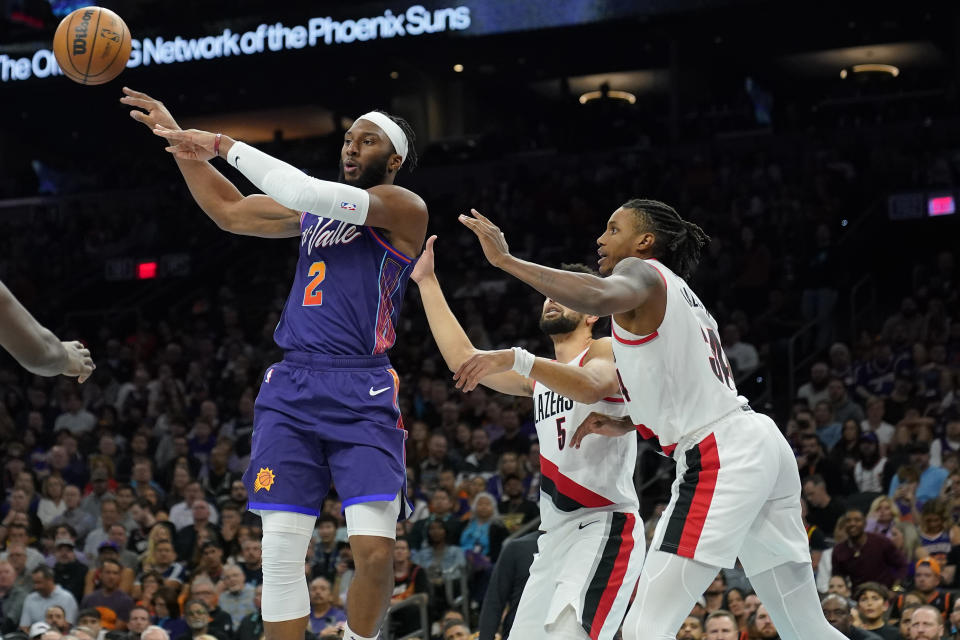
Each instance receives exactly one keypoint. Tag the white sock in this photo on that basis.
(353, 635)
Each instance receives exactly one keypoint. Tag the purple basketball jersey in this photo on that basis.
(347, 292)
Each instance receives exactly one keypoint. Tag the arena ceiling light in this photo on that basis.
(871, 68)
(613, 94)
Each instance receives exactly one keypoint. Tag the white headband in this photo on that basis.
(391, 128)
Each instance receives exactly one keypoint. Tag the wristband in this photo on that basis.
(216, 144)
(523, 361)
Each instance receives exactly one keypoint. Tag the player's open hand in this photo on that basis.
(480, 365)
(191, 144)
(79, 363)
(153, 113)
(424, 267)
(602, 425)
(492, 240)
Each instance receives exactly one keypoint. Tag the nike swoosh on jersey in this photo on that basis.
(588, 524)
(379, 391)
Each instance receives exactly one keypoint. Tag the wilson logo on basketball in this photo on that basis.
(80, 34)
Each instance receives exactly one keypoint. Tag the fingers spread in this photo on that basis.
(135, 94)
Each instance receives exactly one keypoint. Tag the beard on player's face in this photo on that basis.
(374, 172)
(563, 322)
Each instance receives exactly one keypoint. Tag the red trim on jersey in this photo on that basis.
(302, 216)
(386, 245)
(584, 357)
(700, 505)
(616, 577)
(570, 487)
(618, 399)
(632, 343)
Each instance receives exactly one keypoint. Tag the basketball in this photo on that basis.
(92, 45)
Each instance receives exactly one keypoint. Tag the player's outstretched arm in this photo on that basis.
(454, 345)
(632, 284)
(594, 381)
(398, 210)
(223, 203)
(602, 425)
(35, 347)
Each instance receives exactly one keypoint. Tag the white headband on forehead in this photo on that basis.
(391, 128)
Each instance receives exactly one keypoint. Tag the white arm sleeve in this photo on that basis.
(296, 190)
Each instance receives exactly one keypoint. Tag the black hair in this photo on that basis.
(679, 242)
(410, 162)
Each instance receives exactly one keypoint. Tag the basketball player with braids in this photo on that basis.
(588, 504)
(327, 413)
(737, 488)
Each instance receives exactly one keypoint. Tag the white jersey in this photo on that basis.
(598, 475)
(677, 379)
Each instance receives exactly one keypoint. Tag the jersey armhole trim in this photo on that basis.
(632, 343)
(386, 245)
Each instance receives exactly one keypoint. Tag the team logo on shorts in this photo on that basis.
(265, 479)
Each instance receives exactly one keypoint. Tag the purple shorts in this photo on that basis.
(324, 421)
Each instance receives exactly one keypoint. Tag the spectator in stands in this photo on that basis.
(931, 478)
(324, 617)
(187, 537)
(761, 625)
(51, 502)
(221, 624)
(843, 407)
(16, 555)
(512, 439)
(325, 548)
(953, 621)
(118, 544)
(164, 562)
(867, 557)
(812, 461)
(837, 612)
(869, 467)
(56, 617)
(438, 555)
(815, 390)
(251, 627)
(145, 588)
(109, 515)
(181, 514)
(81, 521)
(166, 609)
(252, 564)
(691, 629)
(481, 459)
(823, 509)
(69, 572)
(95, 622)
(45, 594)
(17, 536)
(742, 355)
(873, 605)
(441, 509)
(721, 625)
(829, 429)
(907, 325)
(75, 419)
(109, 596)
(926, 623)
(437, 459)
(882, 516)
(11, 598)
(456, 630)
(508, 465)
(949, 442)
(933, 530)
(515, 509)
(926, 581)
(215, 477)
(99, 490)
(108, 551)
(138, 622)
(448, 480)
(197, 615)
(733, 603)
(874, 421)
(236, 596)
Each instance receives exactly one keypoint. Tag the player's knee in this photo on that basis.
(372, 553)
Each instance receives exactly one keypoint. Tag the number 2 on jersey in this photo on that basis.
(312, 295)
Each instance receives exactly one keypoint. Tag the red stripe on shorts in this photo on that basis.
(700, 505)
(616, 577)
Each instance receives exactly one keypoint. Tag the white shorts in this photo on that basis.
(736, 494)
(591, 565)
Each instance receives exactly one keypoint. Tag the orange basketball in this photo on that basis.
(92, 45)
